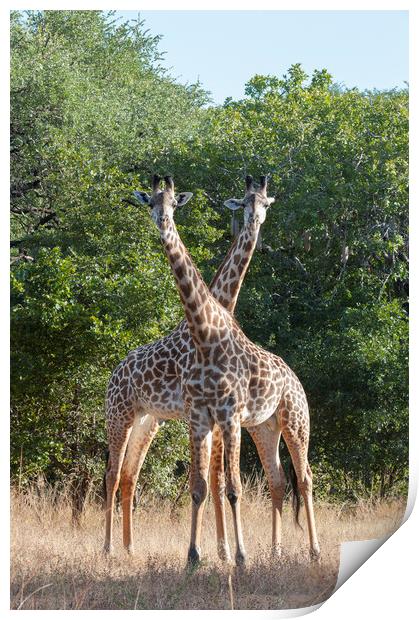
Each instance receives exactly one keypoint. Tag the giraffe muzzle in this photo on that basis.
(253, 220)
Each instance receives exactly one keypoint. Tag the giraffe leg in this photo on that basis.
(200, 442)
(118, 439)
(298, 448)
(266, 438)
(231, 435)
(143, 432)
(217, 485)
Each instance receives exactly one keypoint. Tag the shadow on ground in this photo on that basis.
(158, 584)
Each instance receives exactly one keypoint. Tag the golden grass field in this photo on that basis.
(55, 565)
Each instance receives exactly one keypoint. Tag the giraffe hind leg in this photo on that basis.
(143, 432)
(266, 438)
(119, 431)
(297, 444)
(104, 491)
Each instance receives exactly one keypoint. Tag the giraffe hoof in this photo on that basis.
(194, 556)
(276, 552)
(315, 554)
(130, 550)
(108, 550)
(224, 553)
(241, 558)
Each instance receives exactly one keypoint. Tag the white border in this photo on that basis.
(386, 585)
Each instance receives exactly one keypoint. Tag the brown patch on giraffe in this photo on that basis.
(237, 259)
(186, 289)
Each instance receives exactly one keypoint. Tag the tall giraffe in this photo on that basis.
(145, 387)
(230, 383)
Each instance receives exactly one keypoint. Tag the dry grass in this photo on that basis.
(58, 566)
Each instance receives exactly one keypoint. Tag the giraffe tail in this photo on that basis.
(104, 490)
(104, 478)
(296, 499)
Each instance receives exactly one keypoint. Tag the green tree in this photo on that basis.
(331, 281)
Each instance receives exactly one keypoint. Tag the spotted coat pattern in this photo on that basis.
(229, 382)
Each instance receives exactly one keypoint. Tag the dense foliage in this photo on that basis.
(93, 114)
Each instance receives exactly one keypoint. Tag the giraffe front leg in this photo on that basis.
(143, 432)
(266, 438)
(200, 444)
(217, 484)
(231, 435)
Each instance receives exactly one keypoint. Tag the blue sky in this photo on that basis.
(367, 49)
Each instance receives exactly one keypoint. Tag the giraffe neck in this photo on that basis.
(226, 284)
(197, 301)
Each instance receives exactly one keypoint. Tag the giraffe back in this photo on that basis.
(148, 379)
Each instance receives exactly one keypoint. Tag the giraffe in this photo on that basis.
(145, 388)
(231, 382)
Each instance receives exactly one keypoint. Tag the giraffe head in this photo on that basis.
(163, 203)
(255, 201)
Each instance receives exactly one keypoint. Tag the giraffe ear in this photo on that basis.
(270, 201)
(142, 197)
(233, 204)
(183, 198)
